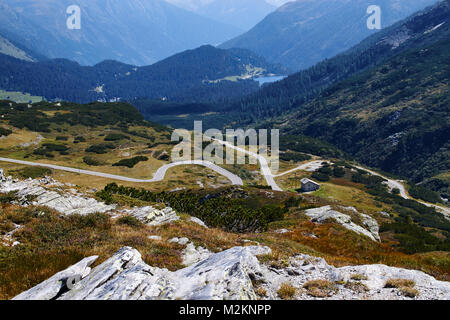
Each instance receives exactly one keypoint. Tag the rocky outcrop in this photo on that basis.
(47, 192)
(60, 282)
(226, 275)
(232, 274)
(369, 226)
(152, 216)
(50, 193)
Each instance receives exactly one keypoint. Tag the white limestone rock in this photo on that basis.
(50, 288)
(124, 276)
(180, 241)
(192, 254)
(152, 216)
(304, 268)
(228, 275)
(62, 201)
(198, 221)
(326, 213)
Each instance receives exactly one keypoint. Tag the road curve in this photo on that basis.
(265, 170)
(158, 176)
(404, 194)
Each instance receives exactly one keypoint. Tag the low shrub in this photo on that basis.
(130, 163)
(116, 137)
(320, 288)
(91, 161)
(4, 132)
(130, 221)
(100, 148)
(32, 172)
(399, 283)
(286, 291)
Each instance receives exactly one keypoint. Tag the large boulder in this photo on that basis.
(235, 273)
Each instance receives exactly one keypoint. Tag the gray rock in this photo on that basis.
(181, 241)
(323, 214)
(57, 199)
(192, 254)
(50, 288)
(152, 216)
(157, 238)
(228, 275)
(198, 221)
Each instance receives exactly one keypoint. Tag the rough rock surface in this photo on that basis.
(323, 214)
(304, 268)
(231, 274)
(225, 275)
(152, 216)
(198, 221)
(192, 254)
(58, 199)
(53, 286)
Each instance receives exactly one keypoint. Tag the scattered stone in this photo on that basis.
(181, 241)
(198, 221)
(192, 254)
(385, 214)
(282, 231)
(157, 238)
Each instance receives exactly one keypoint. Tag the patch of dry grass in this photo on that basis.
(320, 288)
(286, 291)
(404, 286)
(399, 283)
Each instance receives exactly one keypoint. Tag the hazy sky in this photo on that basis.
(195, 4)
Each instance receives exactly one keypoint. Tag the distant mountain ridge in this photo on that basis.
(243, 14)
(202, 74)
(304, 32)
(425, 27)
(137, 32)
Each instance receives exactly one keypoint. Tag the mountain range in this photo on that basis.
(137, 32)
(302, 33)
(395, 115)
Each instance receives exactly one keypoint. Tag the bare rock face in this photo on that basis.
(323, 214)
(230, 274)
(152, 216)
(353, 282)
(52, 287)
(125, 276)
(62, 201)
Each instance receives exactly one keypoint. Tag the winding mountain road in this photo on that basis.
(235, 180)
(158, 176)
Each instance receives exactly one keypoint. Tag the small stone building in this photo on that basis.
(309, 185)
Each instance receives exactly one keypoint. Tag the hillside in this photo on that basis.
(425, 27)
(203, 74)
(303, 33)
(111, 29)
(394, 117)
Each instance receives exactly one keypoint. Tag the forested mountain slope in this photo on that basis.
(425, 27)
(304, 32)
(203, 74)
(395, 117)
